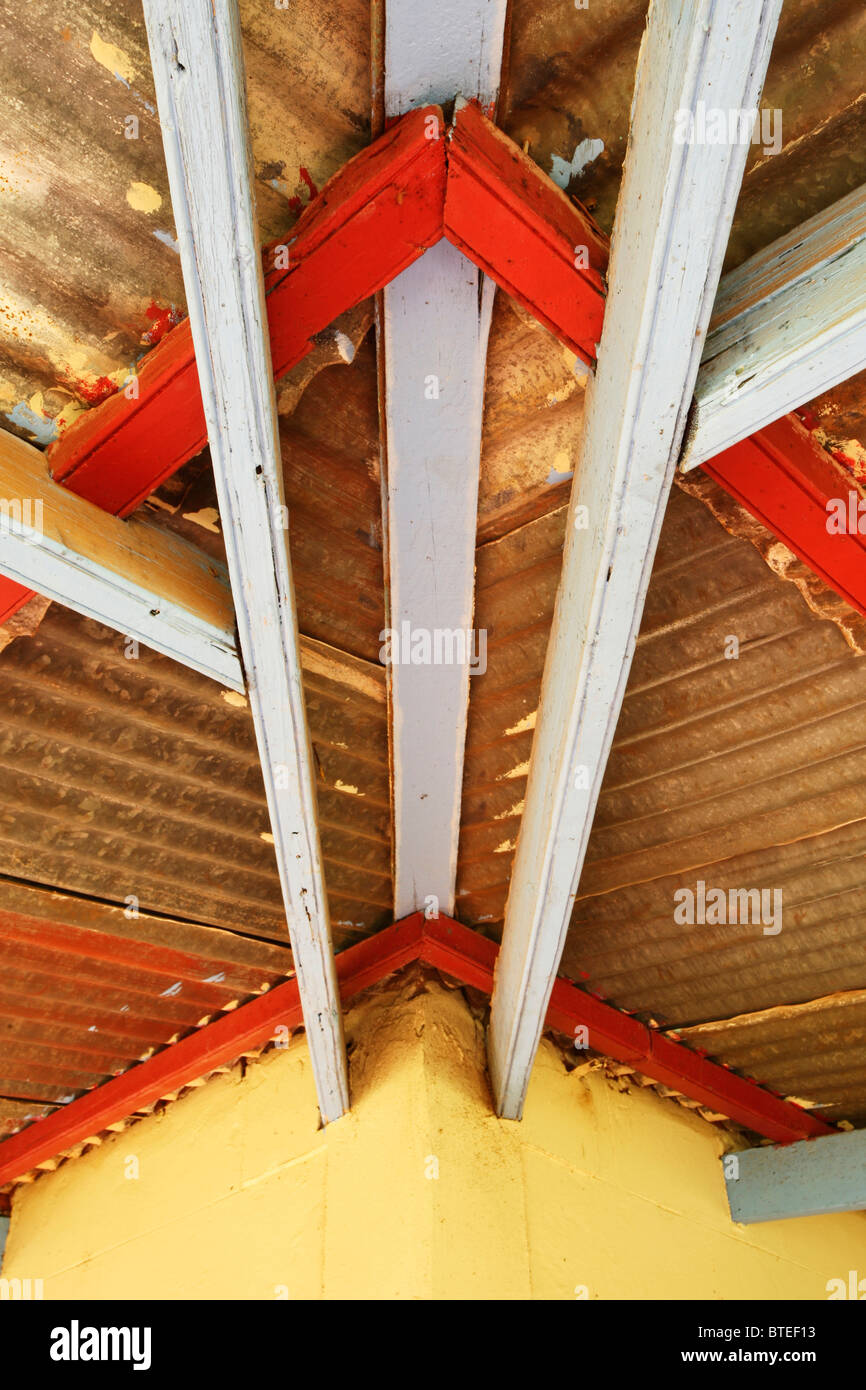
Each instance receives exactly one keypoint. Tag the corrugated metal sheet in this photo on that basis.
(86, 991)
(772, 1045)
(571, 76)
(88, 259)
(330, 450)
(126, 777)
(137, 776)
(742, 773)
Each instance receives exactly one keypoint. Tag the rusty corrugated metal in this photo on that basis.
(742, 773)
(88, 257)
(771, 1045)
(123, 775)
(571, 77)
(88, 989)
(137, 776)
(330, 450)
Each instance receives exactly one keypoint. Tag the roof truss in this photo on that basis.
(381, 213)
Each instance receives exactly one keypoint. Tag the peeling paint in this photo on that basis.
(168, 240)
(162, 319)
(527, 722)
(562, 171)
(235, 699)
(43, 430)
(118, 63)
(522, 770)
(344, 787)
(143, 198)
(267, 837)
(345, 346)
(555, 477)
(208, 518)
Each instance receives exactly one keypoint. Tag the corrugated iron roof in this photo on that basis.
(137, 777)
(745, 772)
(772, 1044)
(90, 270)
(87, 989)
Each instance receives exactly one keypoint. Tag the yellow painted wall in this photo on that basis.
(420, 1192)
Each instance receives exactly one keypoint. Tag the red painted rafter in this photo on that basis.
(382, 211)
(785, 479)
(456, 950)
(376, 216)
(513, 222)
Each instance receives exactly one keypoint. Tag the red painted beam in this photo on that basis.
(539, 246)
(458, 951)
(377, 215)
(471, 958)
(785, 479)
(12, 597)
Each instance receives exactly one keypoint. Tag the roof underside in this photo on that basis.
(132, 777)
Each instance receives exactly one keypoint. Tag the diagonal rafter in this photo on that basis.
(478, 190)
(673, 218)
(198, 70)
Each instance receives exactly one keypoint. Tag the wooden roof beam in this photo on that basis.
(815, 1177)
(673, 218)
(130, 575)
(197, 59)
(792, 486)
(788, 324)
(434, 330)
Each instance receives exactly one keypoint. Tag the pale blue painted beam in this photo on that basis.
(4, 1231)
(812, 1178)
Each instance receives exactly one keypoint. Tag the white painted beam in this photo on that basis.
(132, 576)
(199, 77)
(814, 1177)
(672, 224)
(436, 324)
(787, 324)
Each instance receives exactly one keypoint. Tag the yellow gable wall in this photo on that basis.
(420, 1192)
